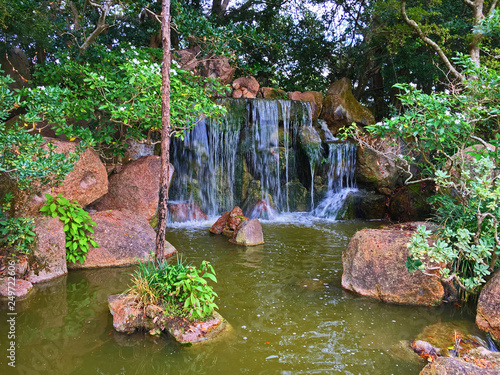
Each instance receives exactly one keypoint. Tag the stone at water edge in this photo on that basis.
(220, 224)
(181, 212)
(21, 288)
(488, 307)
(374, 265)
(476, 362)
(123, 239)
(128, 317)
(50, 250)
(249, 234)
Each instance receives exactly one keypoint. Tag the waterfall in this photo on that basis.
(205, 163)
(341, 179)
(262, 155)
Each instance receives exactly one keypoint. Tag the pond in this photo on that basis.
(283, 300)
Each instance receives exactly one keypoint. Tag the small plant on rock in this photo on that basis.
(77, 226)
(182, 290)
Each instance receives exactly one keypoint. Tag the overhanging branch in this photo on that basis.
(430, 42)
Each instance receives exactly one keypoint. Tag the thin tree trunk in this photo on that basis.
(165, 133)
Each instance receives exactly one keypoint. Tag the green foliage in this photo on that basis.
(27, 158)
(444, 133)
(181, 289)
(118, 91)
(77, 226)
(16, 234)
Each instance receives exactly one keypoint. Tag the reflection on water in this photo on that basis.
(283, 300)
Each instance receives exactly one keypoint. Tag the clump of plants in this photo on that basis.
(17, 235)
(181, 289)
(77, 226)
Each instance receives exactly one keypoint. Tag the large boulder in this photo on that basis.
(87, 182)
(488, 307)
(135, 188)
(375, 170)
(374, 266)
(123, 239)
(50, 250)
(340, 107)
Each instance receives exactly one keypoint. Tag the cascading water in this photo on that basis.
(205, 163)
(254, 156)
(341, 181)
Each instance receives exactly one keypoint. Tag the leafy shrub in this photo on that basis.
(16, 233)
(181, 289)
(77, 226)
(438, 128)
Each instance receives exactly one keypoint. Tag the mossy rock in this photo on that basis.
(298, 196)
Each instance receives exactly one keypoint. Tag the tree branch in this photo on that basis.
(430, 42)
(101, 23)
(492, 7)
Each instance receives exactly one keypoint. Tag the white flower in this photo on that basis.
(121, 108)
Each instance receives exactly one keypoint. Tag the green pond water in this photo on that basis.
(283, 300)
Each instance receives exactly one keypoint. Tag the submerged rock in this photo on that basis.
(19, 287)
(123, 239)
(442, 338)
(374, 266)
(129, 315)
(488, 307)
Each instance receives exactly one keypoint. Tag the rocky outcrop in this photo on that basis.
(272, 93)
(477, 362)
(181, 212)
(245, 87)
(21, 288)
(376, 171)
(411, 202)
(123, 239)
(374, 266)
(50, 250)
(239, 228)
(129, 316)
(135, 188)
(210, 67)
(220, 224)
(488, 307)
(340, 107)
(249, 233)
(87, 182)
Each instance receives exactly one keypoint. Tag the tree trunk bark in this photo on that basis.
(165, 134)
